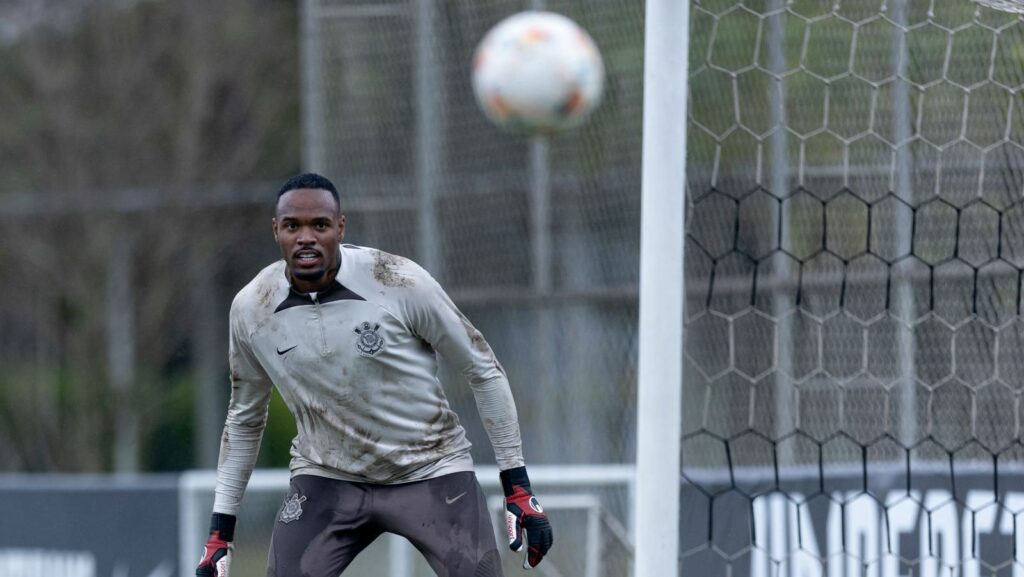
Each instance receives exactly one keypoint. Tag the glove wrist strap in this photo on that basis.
(224, 525)
(512, 478)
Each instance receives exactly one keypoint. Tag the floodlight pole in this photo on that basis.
(660, 371)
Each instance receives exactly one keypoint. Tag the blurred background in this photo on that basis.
(141, 146)
(854, 356)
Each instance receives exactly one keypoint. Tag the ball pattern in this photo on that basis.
(537, 72)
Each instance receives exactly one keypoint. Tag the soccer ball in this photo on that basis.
(537, 72)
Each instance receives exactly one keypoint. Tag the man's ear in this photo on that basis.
(273, 223)
(341, 227)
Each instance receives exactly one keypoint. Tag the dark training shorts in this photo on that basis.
(324, 523)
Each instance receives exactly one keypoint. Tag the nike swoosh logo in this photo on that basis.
(280, 352)
(454, 499)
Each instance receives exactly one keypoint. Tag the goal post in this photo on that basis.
(659, 377)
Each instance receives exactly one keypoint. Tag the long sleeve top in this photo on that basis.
(356, 365)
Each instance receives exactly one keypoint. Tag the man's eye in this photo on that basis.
(321, 226)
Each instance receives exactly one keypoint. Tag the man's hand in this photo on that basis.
(216, 561)
(523, 513)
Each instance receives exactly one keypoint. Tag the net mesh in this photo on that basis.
(537, 242)
(853, 253)
(393, 119)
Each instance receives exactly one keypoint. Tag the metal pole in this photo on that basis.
(592, 562)
(313, 156)
(540, 203)
(209, 339)
(540, 212)
(779, 183)
(660, 371)
(430, 142)
(121, 353)
(904, 231)
(545, 412)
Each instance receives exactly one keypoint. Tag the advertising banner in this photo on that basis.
(894, 522)
(88, 526)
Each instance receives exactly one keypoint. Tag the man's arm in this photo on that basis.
(246, 419)
(436, 319)
(239, 446)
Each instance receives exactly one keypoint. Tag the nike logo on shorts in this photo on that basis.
(449, 501)
(280, 352)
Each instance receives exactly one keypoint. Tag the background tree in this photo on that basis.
(124, 129)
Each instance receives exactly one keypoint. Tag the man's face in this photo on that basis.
(308, 227)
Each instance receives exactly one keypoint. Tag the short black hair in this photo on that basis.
(310, 180)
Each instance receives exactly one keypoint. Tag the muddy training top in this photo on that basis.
(356, 365)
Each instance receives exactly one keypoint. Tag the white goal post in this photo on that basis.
(660, 370)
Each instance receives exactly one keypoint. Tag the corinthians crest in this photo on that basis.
(370, 342)
(292, 508)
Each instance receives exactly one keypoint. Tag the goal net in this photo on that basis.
(855, 240)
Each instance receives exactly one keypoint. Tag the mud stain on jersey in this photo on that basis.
(438, 435)
(234, 360)
(318, 408)
(444, 420)
(387, 270)
(400, 461)
(362, 447)
(475, 336)
(265, 291)
(308, 420)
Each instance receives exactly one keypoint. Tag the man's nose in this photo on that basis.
(305, 236)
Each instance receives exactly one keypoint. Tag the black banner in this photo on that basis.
(88, 526)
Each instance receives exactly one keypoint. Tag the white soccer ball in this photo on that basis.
(537, 72)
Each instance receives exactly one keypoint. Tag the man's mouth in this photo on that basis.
(307, 257)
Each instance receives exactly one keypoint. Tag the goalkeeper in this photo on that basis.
(349, 336)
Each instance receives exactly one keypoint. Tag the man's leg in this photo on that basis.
(321, 527)
(447, 520)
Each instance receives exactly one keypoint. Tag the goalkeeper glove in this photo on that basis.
(216, 559)
(524, 514)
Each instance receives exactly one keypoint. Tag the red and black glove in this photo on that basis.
(523, 513)
(216, 561)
